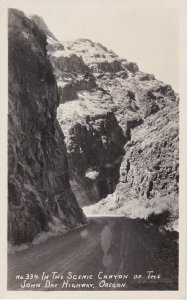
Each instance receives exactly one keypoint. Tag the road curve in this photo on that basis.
(109, 254)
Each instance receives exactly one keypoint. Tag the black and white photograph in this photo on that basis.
(93, 147)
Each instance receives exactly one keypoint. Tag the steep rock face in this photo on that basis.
(38, 181)
(149, 172)
(150, 167)
(72, 75)
(147, 111)
(42, 26)
(95, 148)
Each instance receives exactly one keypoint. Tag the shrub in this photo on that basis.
(161, 219)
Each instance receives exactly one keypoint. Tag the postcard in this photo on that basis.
(93, 149)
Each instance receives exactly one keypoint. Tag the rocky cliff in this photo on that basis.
(40, 196)
(98, 87)
(95, 151)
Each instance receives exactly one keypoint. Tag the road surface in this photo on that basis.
(106, 254)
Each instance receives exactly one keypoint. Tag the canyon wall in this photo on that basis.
(95, 153)
(40, 196)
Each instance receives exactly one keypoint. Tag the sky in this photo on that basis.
(143, 31)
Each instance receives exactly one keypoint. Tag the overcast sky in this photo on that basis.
(143, 31)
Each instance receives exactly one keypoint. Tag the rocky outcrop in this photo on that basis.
(147, 111)
(71, 72)
(97, 57)
(72, 75)
(38, 180)
(95, 153)
(43, 26)
(94, 143)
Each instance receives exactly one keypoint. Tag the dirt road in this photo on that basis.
(107, 254)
